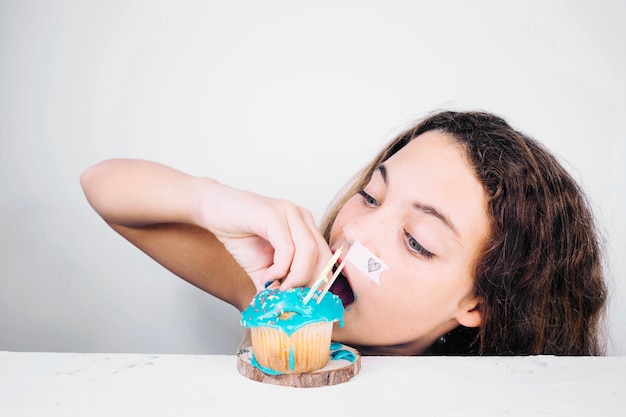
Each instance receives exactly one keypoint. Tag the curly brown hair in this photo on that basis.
(539, 275)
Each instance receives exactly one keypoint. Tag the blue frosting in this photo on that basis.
(343, 354)
(257, 365)
(285, 310)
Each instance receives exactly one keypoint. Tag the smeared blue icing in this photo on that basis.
(257, 365)
(337, 353)
(343, 354)
(268, 305)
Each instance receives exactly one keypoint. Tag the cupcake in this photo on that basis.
(287, 335)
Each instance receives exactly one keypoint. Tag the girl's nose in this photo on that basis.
(366, 237)
(364, 228)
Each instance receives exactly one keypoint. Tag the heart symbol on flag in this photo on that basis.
(372, 265)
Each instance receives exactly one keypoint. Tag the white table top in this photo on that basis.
(66, 384)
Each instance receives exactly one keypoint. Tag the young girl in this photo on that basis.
(489, 244)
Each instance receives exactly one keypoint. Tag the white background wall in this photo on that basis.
(280, 97)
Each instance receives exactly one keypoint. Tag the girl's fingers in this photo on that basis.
(277, 241)
(280, 237)
(310, 248)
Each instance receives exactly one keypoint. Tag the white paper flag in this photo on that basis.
(368, 263)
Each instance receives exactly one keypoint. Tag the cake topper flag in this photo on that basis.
(359, 256)
(323, 278)
(368, 263)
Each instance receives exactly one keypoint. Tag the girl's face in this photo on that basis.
(424, 214)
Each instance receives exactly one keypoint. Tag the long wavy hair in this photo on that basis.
(539, 275)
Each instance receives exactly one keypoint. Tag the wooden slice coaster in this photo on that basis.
(337, 371)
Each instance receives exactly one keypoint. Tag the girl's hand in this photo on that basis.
(271, 239)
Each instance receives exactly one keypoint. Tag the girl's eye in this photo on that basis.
(414, 246)
(368, 200)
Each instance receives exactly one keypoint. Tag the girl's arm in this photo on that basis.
(225, 241)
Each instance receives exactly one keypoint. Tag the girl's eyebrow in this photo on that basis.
(424, 208)
(438, 215)
(383, 172)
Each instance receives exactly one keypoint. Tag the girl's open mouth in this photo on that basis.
(341, 288)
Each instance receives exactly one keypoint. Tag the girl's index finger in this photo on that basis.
(310, 247)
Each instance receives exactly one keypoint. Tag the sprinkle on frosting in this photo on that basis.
(285, 310)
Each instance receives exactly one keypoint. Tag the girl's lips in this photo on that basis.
(341, 288)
